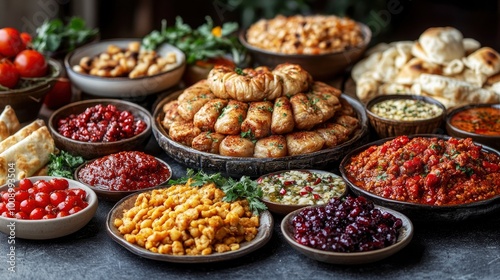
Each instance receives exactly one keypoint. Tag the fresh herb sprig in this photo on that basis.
(53, 35)
(244, 188)
(206, 41)
(63, 164)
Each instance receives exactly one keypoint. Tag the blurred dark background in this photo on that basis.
(389, 20)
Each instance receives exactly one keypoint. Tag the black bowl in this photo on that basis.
(422, 212)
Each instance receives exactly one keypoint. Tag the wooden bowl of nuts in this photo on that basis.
(120, 68)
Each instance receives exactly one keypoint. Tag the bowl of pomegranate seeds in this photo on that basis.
(45, 207)
(349, 230)
(99, 127)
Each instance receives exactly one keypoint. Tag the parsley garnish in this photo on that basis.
(63, 164)
(244, 188)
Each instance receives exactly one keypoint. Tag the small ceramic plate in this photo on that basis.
(405, 236)
(264, 234)
(285, 208)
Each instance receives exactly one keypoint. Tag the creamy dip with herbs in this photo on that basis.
(406, 109)
(301, 187)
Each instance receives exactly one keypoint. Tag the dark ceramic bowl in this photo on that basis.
(111, 195)
(90, 150)
(28, 99)
(422, 212)
(404, 238)
(255, 167)
(488, 140)
(385, 127)
(321, 66)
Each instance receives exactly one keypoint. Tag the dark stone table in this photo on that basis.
(466, 250)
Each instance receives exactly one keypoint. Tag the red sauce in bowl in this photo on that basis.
(124, 171)
(480, 120)
(428, 171)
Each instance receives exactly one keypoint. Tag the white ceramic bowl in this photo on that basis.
(119, 87)
(50, 228)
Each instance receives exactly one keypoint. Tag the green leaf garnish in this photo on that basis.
(63, 164)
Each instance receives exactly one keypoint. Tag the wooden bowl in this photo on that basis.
(385, 127)
(28, 99)
(91, 150)
(321, 66)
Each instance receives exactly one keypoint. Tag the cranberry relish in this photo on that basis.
(350, 225)
(101, 124)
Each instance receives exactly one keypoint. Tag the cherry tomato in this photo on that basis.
(57, 197)
(74, 210)
(3, 207)
(6, 214)
(72, 200)
(21, 195)
(32, 191)
(50, 209)
(37, 214)
(25, 184)
(48, 216)
(5, 196)
(59, 95)
(30, 63)
(43, 186)
(21, 216)
(80, 193)
(59, 183)
(62, 214)
(42, 199)
(26, 38)
(27, 205)
(64, 206)
(9, 75)
(11, 42)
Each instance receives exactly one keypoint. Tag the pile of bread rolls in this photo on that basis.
(24, 151)
(260, 113)
(441, 64)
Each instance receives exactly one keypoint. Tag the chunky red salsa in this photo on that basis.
(429, 171)
(124, 171)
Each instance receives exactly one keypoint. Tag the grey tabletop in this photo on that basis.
(465, 250)
(459, 250)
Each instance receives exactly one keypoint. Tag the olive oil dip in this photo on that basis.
(406, 109)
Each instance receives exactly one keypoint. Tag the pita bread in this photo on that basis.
(485, 60)
(474, 78)
(21, 134)
(9, 124)
(411, 71)
(394, 88)
(27, 156)
(455, 67)
(470, 45)
(365, 65)
(455, 90)
(440, 45)
(366, 87)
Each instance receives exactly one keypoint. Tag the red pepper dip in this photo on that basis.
(427, 171)
(101, 124)
(124, 171)
(480, 120)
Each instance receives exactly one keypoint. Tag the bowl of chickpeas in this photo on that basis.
(324, 45)
(121, 68)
